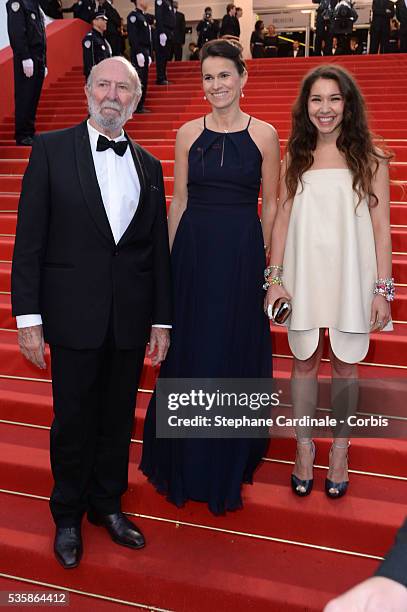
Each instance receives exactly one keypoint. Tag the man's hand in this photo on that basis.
(163, 39)
(32, 346)
(375, 594)
(159, 343)
(28, 68)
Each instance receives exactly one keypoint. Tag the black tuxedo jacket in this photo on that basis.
(66, 265)
(395, 564)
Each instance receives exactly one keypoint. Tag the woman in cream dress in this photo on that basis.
(330, 253)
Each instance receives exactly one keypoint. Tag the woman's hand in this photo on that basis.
(275, 292)
(380, 313)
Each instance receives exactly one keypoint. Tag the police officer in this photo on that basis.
(207, 28)
(165, 18)
(382, 13)
(179, 34)
(139, 37)
(82, 9)
(95, 46)
(26, 32)
(114, 23)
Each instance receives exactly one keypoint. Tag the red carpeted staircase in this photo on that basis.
(280, 552)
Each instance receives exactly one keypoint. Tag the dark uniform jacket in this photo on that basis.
(207, 30)
(165, 18)
(230, 26)
(52, 8)
(26, 30)
(83, 9)
(66, 265)
(139, 34)
(95, 49)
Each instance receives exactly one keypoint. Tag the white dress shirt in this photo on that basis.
(120, 189)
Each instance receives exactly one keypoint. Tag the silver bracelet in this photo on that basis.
(385, 287)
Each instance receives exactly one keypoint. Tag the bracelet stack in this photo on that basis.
(385, 287)
(273, 275)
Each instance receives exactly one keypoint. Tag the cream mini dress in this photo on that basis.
(330, 266)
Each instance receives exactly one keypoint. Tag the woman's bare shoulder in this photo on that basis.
(264, 130)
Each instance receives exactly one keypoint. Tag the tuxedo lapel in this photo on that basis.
(89, 183)
(143, 180)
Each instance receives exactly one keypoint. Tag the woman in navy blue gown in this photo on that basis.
(218, 257)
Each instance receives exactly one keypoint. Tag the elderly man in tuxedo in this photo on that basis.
(91, 276)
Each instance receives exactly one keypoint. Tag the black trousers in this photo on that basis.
(176, 51)
(94, 394)
(379, 36)
(27, 93)
(322, 33)
(161, 58)
(403, 39)
(143, 76)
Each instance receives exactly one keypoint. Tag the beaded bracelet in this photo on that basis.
(275, 280)
(270, 269)
(385, 287)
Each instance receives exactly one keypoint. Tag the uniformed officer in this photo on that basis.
(382, 14)
(113, 26)
(82, 9)
(165, 18)
(26, 32)
(139, 36)
(95, 46)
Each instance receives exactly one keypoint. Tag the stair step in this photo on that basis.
(192, 568)
(371, 503)
(77, 602)
(30, 403)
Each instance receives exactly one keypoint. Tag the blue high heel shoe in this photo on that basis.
(334, 490)
(302, 488)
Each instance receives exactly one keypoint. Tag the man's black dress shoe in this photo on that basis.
(121, 529)
(25, 142)
(68, 546)
(164, 82)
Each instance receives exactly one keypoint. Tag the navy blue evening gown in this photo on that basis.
(220, 329)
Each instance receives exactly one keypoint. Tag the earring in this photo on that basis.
(204, 97)
(241, 93)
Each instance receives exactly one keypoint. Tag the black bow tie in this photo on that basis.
(118, 147)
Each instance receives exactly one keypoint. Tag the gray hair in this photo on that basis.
(131, 69)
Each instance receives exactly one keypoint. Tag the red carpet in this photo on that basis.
(280, 553)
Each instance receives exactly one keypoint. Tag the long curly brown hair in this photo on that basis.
(354, 141)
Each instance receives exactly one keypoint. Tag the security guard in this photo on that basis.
(382, 14)
(165, 18)
(26, 32)
(139, 36)
(95, 46)
(114, 23)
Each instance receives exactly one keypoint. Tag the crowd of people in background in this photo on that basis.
(144, 37)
